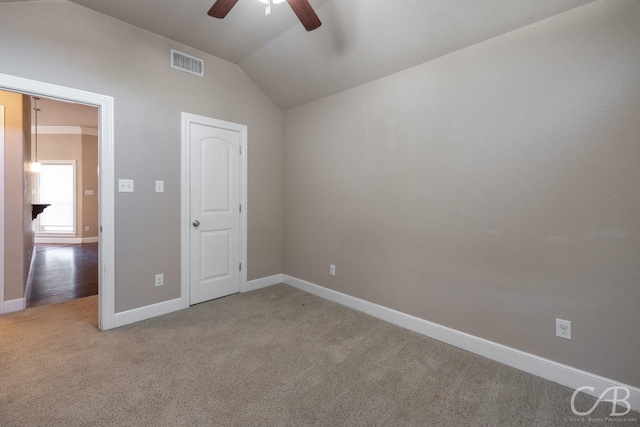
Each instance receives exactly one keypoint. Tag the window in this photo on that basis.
(56, 185)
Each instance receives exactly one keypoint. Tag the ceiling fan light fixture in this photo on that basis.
(267, 11)
(301, 8)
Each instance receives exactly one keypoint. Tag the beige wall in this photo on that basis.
(89, 182)
(490, 191)
(68, 45)
(18, 235)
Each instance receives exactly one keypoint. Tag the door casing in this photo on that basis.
(105, 104)
(2, 209)
(187, 120)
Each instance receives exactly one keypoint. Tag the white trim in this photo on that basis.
(541, 367)
(263, 282)
(147, 312)
(244, 198)
(69, 240)
(105, 104)
(65, 130)
(185, 175)
(15, 305)
(2, 208)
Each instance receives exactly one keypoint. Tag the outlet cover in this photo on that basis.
(563, 329)
(159, 279)
(332, 269)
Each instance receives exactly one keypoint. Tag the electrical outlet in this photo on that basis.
(563, 329)
(87, 228)
(332, 269)
(159, 279)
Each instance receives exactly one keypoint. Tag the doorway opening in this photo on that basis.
(65, 258)
(105, 166)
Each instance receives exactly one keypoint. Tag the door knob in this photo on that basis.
(196, 223)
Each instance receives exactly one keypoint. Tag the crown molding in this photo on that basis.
(65, 130)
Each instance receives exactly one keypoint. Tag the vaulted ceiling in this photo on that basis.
(359, 40)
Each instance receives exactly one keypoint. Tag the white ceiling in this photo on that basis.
(359, 40)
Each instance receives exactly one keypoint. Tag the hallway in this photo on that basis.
(62, 272)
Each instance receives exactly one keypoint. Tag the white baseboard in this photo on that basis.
(147, 312)
(544, 368)
(263, 282)
(68, 240)
(15, 305)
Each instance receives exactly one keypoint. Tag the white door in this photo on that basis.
(215, 197)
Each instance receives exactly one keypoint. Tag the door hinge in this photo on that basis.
(240, 266)
(240, 208)
(241, 149)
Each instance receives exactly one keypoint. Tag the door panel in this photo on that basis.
(215, 159)
(215, 248)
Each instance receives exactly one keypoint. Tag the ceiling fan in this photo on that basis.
(302, 8)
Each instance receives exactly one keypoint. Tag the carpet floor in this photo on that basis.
(272, 357)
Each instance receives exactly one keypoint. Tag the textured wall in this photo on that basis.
(491, 190)
(68, 45)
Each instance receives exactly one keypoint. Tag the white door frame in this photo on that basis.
(106, 272)
(187, 120)
(2, 208)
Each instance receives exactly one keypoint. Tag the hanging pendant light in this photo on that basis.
(36, 166)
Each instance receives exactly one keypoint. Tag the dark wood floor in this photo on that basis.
(62, 272)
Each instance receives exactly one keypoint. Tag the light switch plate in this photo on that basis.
(159, 186)
(125, 185)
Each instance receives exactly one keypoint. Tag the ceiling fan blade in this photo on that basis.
(305, 13)
(221, 7)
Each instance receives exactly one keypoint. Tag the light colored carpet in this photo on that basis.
(272, 357)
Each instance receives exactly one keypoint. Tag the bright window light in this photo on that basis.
(56, 186)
